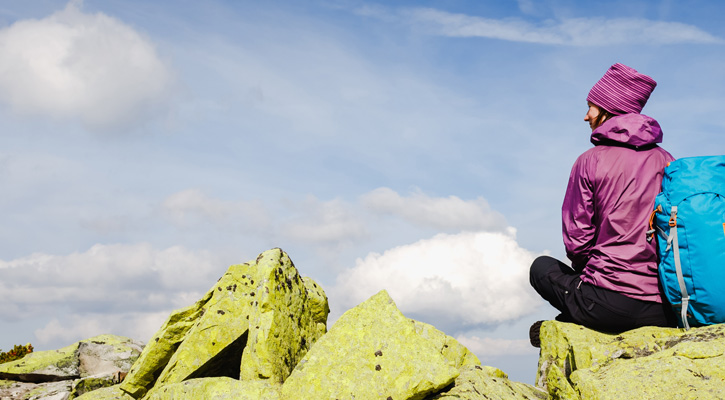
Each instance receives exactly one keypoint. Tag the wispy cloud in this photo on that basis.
(324, 222)
(442, 213)
(192, 208)
(569, 31)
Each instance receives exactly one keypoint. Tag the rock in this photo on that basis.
(319, 306)
(91, 383)
(44, 366)
(257, 322)
(25, 390)
(649, 362)
(477, 382)
(217, 388)
(372, 352)
(106, 393)
(56, 374)
(104, 354)
(456, 354)
(286, 322)
(107, 354)
(159, 351)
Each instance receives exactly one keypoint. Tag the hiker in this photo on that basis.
(612, 284)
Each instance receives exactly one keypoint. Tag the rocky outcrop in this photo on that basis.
(255, 323)
(261, 333)
(368, 354)
(476, 382)
(71, 371)
(222, 388)
(374, 352)
(645, 363)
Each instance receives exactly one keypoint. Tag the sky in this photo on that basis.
(421, 147)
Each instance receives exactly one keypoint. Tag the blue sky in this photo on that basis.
(419, 147)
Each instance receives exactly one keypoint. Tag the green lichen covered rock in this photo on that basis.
(72, 370)
(106, 393)
(218, 389)
(285, 323)
(26, 390)
(372, 352)
(458, 355)
(694, 370)
(255, 323)
(44, 366)
(649, 362)
(107, 355)
(318, 304)
(479, 383)
(161, 348)
(91, 383)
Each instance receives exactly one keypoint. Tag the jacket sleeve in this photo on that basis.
(578, 214)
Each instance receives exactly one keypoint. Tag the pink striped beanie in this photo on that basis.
(622, 90)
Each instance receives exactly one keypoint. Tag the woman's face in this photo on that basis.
(592, 115)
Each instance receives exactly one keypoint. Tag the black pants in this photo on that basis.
(592, 306)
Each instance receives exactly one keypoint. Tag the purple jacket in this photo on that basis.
(609, 199)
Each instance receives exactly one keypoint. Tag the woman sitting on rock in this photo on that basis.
(612, 283)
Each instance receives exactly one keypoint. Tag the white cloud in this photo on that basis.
(490, 347)
(466, 279)
(443, 213)
(107, 278)
(573, 31)
(135, 325)
(74, 65)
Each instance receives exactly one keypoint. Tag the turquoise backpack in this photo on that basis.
(689, 217)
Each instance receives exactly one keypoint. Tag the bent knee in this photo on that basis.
(542, 264)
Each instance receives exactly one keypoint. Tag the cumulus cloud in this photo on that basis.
(75, 65)
(450, 280)
(106, 278)
(443, 213)
(570, 31)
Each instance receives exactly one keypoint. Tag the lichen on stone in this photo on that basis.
(220, 388)
(649, 362)
(367, 355)
(256, 322)
(476, 383)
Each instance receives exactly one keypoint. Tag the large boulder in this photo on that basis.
(457, 355)
(649, 362)
(71, 371)
(222, 388)
(479, 383)
(159, 351)
(99, 355)
(255, 323)
(372, 352)
(106, 355)
(57, 390)
(44, 366)
(106, 393)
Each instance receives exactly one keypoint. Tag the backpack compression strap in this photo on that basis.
(672, 241)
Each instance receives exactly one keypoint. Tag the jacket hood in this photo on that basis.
(632, 130)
